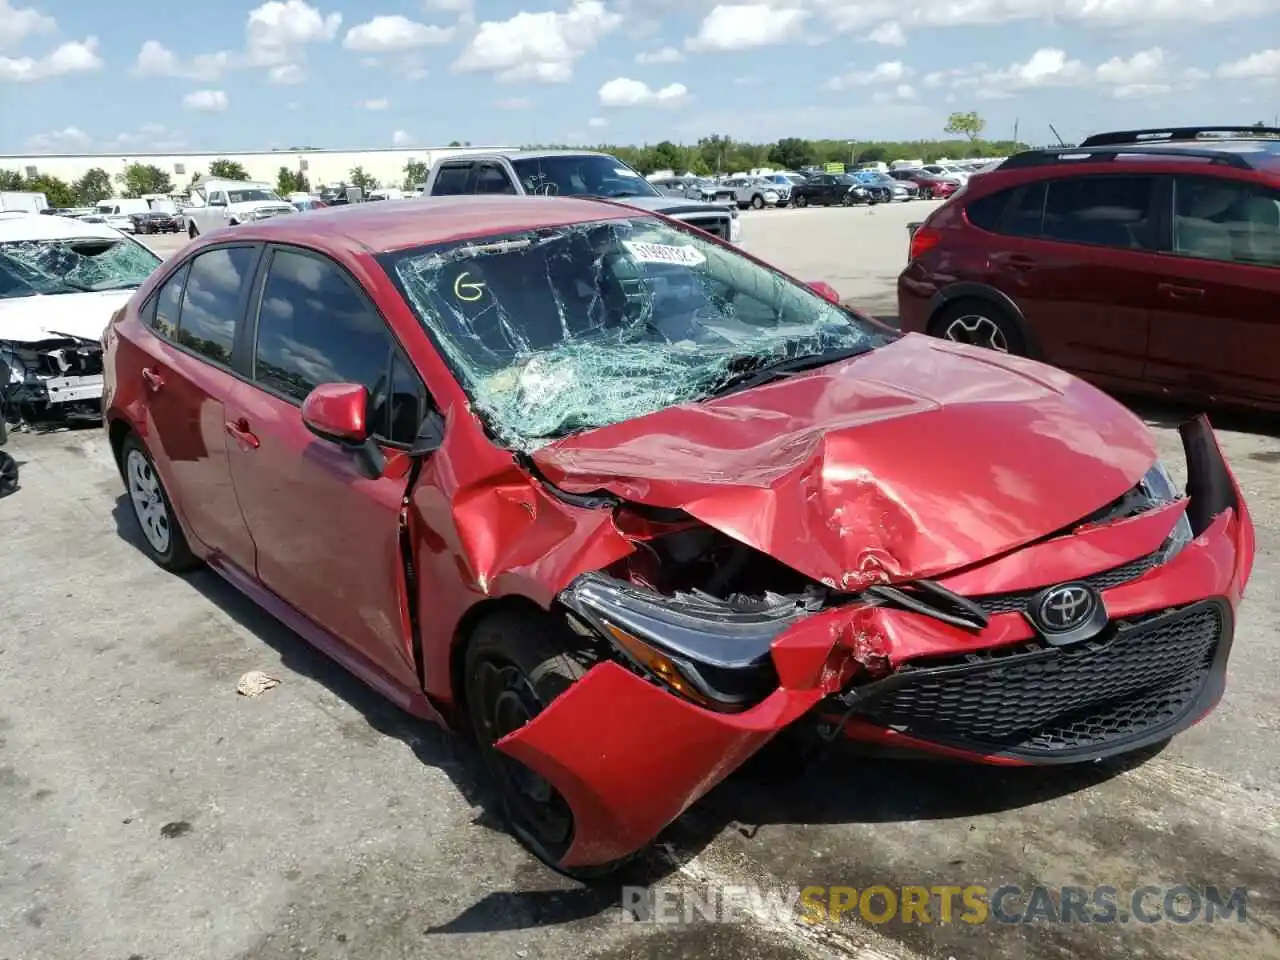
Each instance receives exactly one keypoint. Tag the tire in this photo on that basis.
(515, 666)
(802, 201)
(984, 322)
(757, 202)
(192, 232)
(162, 537)
(8, 474)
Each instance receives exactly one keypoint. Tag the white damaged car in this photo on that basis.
(60, 282)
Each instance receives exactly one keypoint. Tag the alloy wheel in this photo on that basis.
(148, 501)
(978, 331)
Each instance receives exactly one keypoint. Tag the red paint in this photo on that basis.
(921, 459)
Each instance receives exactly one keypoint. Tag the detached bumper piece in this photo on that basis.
(52, 380)
(1136, 684)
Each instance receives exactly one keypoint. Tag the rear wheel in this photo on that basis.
(757, 201)
(516, 665)
(979, 323)
(8, 474)
(802, 201)
(162, 537)
(192, 232)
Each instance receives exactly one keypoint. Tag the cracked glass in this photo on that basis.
(563, 329)
(43, 267)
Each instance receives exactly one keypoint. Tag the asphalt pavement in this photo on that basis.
(147, 812)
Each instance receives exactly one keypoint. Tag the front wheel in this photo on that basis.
(8, 474)
(162, 537)
(192, 232)
(802, 201)
(757, 202)
(979, 323)
(516, 665)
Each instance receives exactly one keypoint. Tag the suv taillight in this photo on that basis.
(923, 240)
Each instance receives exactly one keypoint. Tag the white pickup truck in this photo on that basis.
(573, 173)
(225, 203)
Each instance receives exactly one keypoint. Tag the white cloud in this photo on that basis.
(206, 101)
(401, 139)
(74, 56)
(1263, 65)
(538, 47)
(890, 34)
(848, 15)
(286, 74)
(597, 122)
(157, 60)
(379, 104)
(902, 93)
(665, 55)
(894, 71)
(68, 140)
(278, 31)
(514, 103)
(149, 138)
(624, 92)
(389, 34)
(747, 26)
(1141, 75)
(19, 23)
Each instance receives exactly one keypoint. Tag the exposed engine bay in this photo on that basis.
(53, 380)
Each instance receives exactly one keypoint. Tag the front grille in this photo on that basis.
(716, 224)
(1016, 602)
(1035, 700)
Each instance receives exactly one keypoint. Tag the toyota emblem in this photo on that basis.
(1065, 608)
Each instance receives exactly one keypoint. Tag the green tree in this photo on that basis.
(667, 156)
(10, 180)
(58, 192)
(791, 153)
(362, 180)
(142, 178)
(873, 155)
(291, 181)
(968, 124)
(95, 185)
(225, 169)
(415, 172)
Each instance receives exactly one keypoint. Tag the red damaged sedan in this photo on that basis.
(626, 503)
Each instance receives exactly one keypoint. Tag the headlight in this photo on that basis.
(1158, 484)
(704, 651)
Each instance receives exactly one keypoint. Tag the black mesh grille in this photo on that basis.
(717, 225)
(1015, 602)
(1036, 699)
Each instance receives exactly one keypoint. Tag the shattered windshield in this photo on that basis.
(44, 267)
(564, 329)
(251, 196)
(581, 175)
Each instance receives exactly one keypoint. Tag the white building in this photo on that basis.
(319, 166)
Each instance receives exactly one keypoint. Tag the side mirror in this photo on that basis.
(339, 413)
(825, 291)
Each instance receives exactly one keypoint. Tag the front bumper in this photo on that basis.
(996, 696)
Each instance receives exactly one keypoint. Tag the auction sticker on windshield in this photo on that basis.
(664, 253)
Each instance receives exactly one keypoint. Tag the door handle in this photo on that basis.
(238, 430)
(1180, 291)
(1020, 262)
(152, 379)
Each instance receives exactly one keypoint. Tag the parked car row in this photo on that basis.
(778, 190)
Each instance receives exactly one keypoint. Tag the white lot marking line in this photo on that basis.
(821, 941)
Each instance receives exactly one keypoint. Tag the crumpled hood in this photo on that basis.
(916, 459)
(31, 319)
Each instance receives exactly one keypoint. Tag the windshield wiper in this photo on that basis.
(764, 371)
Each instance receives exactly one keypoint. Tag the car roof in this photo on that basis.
(37, 226)
(420, 221)
(526, 155)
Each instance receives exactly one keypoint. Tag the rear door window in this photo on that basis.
(491, 178)
(213, 301)
(451, 180)
(1218, 219)
(1107, 210)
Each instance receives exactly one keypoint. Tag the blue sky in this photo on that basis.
(79, 76)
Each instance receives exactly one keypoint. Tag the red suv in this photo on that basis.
(1146, 261)
(627, 503)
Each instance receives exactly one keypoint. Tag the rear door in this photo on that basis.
(1075, 254)
(327, 537)
(1216, 328)
(186, 370)
(451, 179)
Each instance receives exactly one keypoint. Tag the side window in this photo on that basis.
(315, 326)
(1216, 219)
(491, 178)
(1109, 211)
(211, 302)
(985, 213)
(1018, 211)
(164, 305)
(451, 180)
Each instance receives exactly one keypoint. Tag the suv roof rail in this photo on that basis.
(1083, 154)
(1175, 134)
